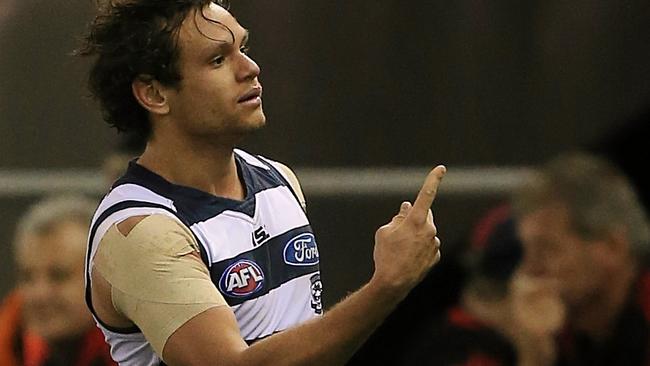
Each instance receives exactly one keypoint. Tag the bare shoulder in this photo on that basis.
(286, 170)
(293, 181)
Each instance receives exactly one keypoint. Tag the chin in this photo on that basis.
(234, 130)
(258, 119)
(60, 330)
(260, 124)
(253, 124)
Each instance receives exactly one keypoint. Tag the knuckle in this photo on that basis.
(381, 231)
(429, 231)
(410, 223)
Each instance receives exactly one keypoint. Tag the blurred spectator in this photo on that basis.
(582, 296)
(44, 321)
(475, 331)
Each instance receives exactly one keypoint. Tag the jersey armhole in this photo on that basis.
(275, 169)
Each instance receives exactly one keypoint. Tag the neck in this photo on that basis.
(195, 163)
(597, 315)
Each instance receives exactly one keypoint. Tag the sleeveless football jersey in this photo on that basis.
(261, 253)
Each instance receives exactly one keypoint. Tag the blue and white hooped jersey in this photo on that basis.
(261, 252)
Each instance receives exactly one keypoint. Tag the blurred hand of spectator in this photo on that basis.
(537, 316)
(536, 305)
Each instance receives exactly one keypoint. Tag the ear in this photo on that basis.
(150, 94)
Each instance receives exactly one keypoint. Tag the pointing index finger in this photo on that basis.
(427, 194)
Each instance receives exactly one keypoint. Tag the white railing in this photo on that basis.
(315, 181)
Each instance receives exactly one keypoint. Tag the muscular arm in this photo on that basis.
(329, 340)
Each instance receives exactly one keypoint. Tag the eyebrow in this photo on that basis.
(220, 47)
(216, 48)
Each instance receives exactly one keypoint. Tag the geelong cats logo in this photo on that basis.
(241, 278)
(301, 250)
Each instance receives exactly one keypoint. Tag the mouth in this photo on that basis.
(254, 95)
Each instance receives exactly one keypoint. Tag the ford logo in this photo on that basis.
(301, 250)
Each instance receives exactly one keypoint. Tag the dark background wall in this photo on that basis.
(360, 83)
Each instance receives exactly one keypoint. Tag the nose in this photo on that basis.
(39, 290)
(534, 264)
(248, 69)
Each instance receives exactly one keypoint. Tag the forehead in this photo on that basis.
(203, 28)
(550, 221)
(64, 243)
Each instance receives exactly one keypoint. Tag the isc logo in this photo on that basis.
(241, 278)
(301, 250)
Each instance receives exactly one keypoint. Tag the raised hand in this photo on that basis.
(407, 247)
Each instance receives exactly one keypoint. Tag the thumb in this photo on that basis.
(404, 209)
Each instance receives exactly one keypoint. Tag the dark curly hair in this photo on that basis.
(131, 39)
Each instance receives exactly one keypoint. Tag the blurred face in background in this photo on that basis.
(552, 250)
(51, 281)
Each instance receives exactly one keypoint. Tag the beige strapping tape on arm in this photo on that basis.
(157, 280)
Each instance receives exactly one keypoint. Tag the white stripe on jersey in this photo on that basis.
(235, 227)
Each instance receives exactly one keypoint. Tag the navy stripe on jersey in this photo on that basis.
(196, 206)
(271, 272)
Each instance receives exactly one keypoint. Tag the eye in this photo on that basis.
(59, 275)
(244, 49)
(24, 276)
(218, 60)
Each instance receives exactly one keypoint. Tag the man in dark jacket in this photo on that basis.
(586, 241)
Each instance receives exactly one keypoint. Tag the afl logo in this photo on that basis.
(241, 278)
(301, 250)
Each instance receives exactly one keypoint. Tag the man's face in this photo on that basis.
(219, 94)
(51, 279)
(554, 251)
